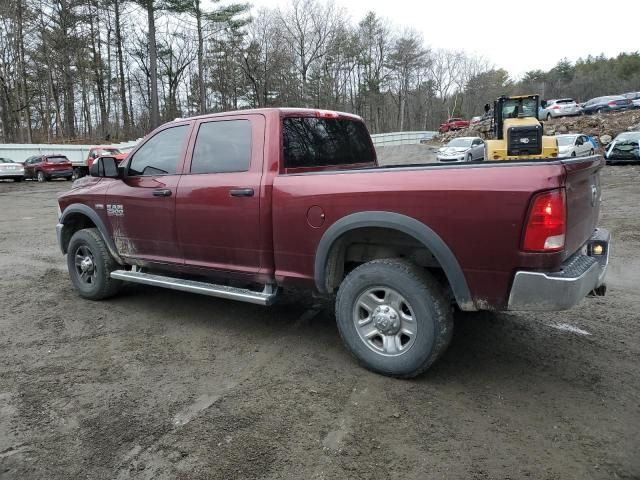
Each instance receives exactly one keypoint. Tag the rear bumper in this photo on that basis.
(58, 173)
(551, 291)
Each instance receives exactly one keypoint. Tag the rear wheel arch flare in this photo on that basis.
(392, 221)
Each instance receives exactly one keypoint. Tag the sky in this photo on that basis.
(515, 35)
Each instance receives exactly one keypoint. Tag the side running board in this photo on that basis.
(265, 297)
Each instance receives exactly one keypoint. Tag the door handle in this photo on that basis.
(241, 192)
(163, 192)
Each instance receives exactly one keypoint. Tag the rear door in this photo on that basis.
(141, 206)
(218, 203)
(583, 200)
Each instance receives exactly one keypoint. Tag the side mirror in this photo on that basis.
(105, 167)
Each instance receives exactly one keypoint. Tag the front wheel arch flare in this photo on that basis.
(80, 210)
(404, 224)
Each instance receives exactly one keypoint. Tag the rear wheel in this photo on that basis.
(90, 265)
(548, 117)
(76, 174)
(599, 110)
(393, 317)
(40, 176)
(592, 152)
(573, 154)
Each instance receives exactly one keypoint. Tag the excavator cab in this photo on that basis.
(517, 132)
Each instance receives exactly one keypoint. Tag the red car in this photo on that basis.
(453, 124)
(47, 167)
(242, 205)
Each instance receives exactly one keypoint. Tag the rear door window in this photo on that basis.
(320, 142)
(222, 146)
(160, 154)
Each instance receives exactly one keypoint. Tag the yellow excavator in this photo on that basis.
(517, 132)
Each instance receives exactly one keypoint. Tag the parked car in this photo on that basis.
(46, 167)
(475, 120)
(574, 146)
(10, 169)
(462, 149)
(295, 198)
(562, 107)
(624, 148)
(453, 124)
(634, 97)
(611, 103)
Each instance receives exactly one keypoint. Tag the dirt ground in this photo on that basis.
(156, 384)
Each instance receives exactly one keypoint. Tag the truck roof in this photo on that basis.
(283, 112)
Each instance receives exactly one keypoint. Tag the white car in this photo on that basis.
(462, 149)
(561, 107)
(11, 169)
(574, 146)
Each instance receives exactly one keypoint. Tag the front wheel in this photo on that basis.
(393, 317)
(469, 158)
(592, 152)
(90, 265)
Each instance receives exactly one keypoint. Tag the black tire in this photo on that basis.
(69, 178)
(599, 110)
(573, 154)
(76, 174)
(469, 158)
(427, 305)
(592, 152)
(548, 117)
(41, 177)
(19, 179)
(102, 285)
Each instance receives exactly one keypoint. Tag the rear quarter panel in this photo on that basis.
(477, 210)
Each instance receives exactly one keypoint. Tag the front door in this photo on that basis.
(141, 207)
(218, 206)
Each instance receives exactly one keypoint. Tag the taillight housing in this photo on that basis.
(612, 103)
(327, 114)
(546, 223)
(555, 107)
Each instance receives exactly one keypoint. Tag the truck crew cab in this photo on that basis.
(242, 205)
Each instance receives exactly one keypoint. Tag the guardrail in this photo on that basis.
(401, 138)
(77, 154)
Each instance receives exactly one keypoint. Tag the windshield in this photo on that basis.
(460, 142)
(110, 151)
(626, 137)
(519, 107)
(564, 141)
(6, 160)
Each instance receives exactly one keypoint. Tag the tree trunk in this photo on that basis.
(23, 71)
(201, 85)
(123, 93)
(153, 66)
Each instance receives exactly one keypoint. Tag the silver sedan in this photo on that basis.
(574, 146)
(11, 169)
(462, 149)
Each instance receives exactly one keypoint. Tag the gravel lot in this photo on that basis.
(160, 384)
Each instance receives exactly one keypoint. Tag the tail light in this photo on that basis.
(546, 224)
(556, 107)
(612, 103)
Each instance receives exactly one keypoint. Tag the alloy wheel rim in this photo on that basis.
(85, 265)
(385, 321)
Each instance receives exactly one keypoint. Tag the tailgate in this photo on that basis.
(583, 200)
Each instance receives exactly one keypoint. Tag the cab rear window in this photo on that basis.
(57, 159)
(320, 142)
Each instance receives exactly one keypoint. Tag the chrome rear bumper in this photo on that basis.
(550, 291)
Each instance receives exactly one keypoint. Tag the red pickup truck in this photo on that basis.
(453, 124)
(241, 205)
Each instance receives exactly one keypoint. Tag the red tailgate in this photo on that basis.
(583, 200)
